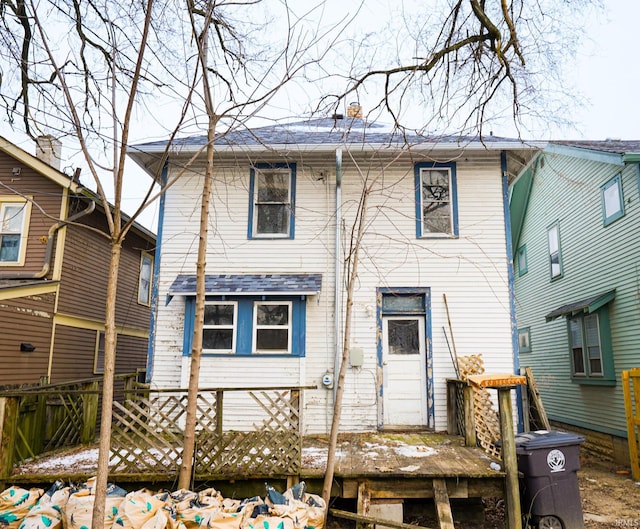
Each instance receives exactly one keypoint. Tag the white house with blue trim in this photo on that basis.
(283, 214)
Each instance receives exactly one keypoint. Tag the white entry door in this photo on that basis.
(404, 376)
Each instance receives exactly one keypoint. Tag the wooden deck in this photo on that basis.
(388, 465)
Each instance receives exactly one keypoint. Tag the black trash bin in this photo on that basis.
(549, 461)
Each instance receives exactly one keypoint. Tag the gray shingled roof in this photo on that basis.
(611, 146)
(325, 131)
(246, 284)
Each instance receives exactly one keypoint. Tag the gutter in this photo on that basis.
(46, 266)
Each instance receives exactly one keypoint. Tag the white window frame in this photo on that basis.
(233, 327)
(256, 327)
(6, 201)
(554, 230)
(424, 231)
(286, 233)
(142, 289)
(612, 200)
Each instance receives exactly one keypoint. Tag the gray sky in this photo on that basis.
(605, 73)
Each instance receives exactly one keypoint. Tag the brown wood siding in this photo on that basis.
(47, 196)
(131, 354)
(85, 272)
(73, 354)
(25, 319)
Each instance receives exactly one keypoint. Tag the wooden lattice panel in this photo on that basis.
(485, 415)
(148, 433)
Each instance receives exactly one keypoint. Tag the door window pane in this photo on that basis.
(403, 337)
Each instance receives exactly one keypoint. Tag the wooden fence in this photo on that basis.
(631, 391)
(240, 432)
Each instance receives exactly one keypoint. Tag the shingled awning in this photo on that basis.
(249, 284)
(588, 305)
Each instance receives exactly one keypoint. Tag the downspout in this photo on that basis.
(511, 281)
(337, 272)
(156, 274)
(46, 266)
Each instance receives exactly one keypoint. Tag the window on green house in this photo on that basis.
(590, 345)
(555, 255)
(612, 202)
(524, 340)
(522, 260)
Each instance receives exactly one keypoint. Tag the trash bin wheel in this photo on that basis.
(549, 522)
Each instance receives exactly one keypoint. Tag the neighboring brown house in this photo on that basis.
(53, 275)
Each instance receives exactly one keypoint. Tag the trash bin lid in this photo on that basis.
(546, 439)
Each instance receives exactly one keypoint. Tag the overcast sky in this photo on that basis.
(606, 74)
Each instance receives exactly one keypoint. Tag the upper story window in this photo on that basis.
(555, 255)
(522, 260)
(524, 340)
(271, 206)
(14, 222)
(144, 284)
(436, 199)
(612, 203)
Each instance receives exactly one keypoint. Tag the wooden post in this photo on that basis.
(364, 501)
(631, 392)
(452, 407)
(219, 401)
(89, 412)
(9, 407)
(40, 423)
(509, 460)
(470, 438)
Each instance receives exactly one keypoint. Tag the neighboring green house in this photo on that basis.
(575, 216)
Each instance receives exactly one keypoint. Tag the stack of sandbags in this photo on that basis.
(15, 504)
(47, 513)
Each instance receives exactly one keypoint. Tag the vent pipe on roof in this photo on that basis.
(49, 150)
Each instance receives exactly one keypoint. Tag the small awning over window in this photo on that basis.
(586, 305)
(249, 284)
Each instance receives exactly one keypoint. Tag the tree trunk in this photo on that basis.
(102, 475)
(352, 260)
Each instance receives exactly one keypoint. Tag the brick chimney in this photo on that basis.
(354, 110)
(49, 150)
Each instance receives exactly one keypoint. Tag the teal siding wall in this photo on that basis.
(595, 259)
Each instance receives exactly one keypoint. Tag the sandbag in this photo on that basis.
(137, 508)
(15, 504)
(47, 512)
(268, 522)
(196, 510)
(79, 511)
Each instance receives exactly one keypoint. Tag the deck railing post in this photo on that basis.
(9, 407)
(452, 407)
(470, 438)
(509, 460)
(219, 418)
(89, 412)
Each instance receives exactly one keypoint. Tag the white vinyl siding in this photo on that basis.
(471, 270)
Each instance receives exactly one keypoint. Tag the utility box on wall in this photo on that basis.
(356, 357)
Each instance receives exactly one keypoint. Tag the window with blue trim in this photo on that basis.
(611, 197)
(436, 199)
(522, 260)
(250, 325)
(271, 202)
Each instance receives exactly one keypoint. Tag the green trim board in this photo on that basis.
(586, 154)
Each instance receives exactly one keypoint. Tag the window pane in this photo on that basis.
(553, 239)
(9, 248)
(273, 218)
(555, 265)
(12, 218)
(400, 303)
(575, 335)
(221, 339)
(404, 337)
(272, 314)
(218, 314)
(612, 199)
(436, 205)
(272, 339)
(273, 187)
(592, 338)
